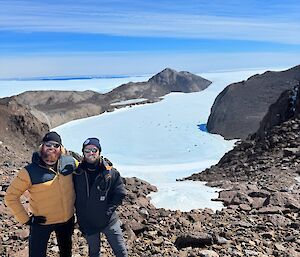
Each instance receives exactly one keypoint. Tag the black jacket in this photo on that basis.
(95, 206)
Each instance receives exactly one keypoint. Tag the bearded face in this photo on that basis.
(50, 152)
(91, 154)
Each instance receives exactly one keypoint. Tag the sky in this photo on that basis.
(99, 37)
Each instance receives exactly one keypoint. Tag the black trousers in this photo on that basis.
(39, 236)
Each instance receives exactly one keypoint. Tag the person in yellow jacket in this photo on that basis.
(48, 179)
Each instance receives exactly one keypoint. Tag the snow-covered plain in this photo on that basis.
(100, 85)
(157, 142)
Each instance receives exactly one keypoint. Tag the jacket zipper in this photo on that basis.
(87, 184)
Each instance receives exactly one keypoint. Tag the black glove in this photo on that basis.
(33, 220)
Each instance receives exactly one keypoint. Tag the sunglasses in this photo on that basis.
(55, 145)
(90, 150)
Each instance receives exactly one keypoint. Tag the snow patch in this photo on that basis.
(130, 101)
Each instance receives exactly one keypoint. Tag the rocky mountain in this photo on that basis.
(57, 107)
(163, 83)
(240, 107)
(286, 107)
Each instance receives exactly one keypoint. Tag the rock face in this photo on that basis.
(18, 127)
(240, 107)
(283, 109)
(57, 107)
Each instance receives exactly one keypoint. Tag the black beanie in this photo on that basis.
(52, 136)
(92, 141)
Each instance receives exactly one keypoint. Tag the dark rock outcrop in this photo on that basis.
(57, 107)
(240, 107)
(286, 107)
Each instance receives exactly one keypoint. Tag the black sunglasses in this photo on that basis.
(49, 144)
(89, 150)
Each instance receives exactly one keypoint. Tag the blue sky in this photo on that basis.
(89, 37)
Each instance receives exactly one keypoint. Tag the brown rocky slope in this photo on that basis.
(18, 124)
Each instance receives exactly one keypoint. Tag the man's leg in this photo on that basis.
(115, 238)
(38, 240)
(64, 233)
(94, 244)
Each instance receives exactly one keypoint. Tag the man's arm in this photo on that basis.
(13, 193)
(118, 191)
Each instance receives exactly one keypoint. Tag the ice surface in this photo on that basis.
(161, 142)
(100, 85)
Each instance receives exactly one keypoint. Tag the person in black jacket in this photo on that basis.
(99, 191)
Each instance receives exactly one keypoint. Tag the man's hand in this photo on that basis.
(33, 220)
(110, 210)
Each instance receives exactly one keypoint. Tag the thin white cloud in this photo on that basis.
(138, 63)
(94, 18)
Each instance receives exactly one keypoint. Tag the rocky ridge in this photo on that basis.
(57, 107)
(163, 83)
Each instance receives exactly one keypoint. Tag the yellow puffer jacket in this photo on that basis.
(51, 192)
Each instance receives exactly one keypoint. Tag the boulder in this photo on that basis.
(193, 240)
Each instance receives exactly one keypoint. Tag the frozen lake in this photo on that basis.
(161, 142)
